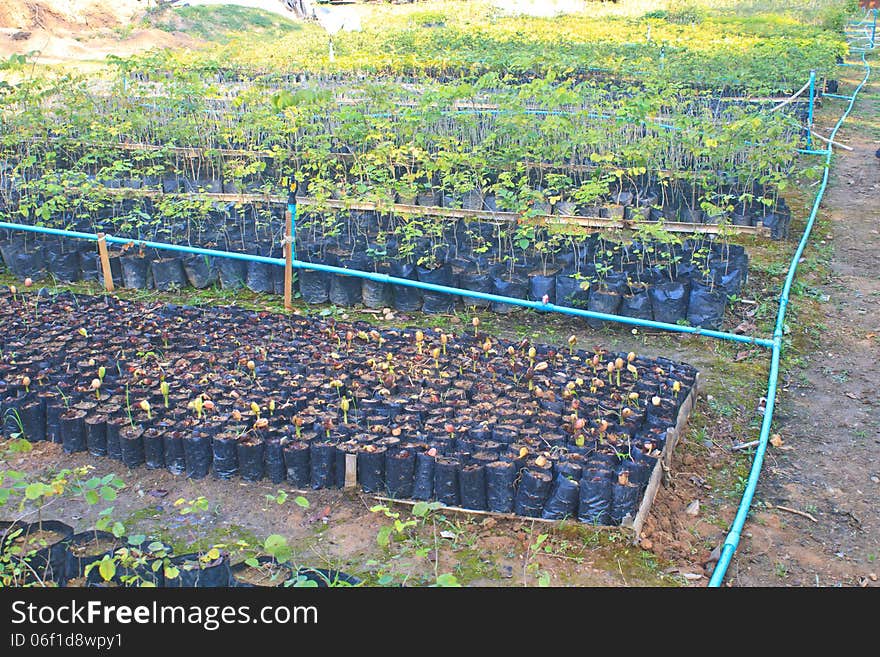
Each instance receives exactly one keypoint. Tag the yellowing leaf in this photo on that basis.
(107, 569)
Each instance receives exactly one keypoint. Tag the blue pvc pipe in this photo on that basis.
(810, 151)
(837, 96)
(535, 305)
(391, 280)
(49, 231)
(731, 542)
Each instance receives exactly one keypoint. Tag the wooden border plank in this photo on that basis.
(436, 211)
(672, 436)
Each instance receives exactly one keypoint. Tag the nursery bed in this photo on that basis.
(327, 405)
(656, 276)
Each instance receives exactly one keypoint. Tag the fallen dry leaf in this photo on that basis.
(776, 440)
(745, 327)
(322, 515)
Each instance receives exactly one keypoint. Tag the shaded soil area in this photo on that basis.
(829, 417)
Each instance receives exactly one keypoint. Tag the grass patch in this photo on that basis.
(221, 23)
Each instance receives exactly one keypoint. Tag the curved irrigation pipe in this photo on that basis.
(732, 541)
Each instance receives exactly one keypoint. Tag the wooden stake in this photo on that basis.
(105, 262)
(288, 261)
(351, 470)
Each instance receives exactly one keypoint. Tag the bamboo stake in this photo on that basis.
(288, 260)
(105, 263)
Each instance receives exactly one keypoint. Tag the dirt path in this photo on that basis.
(830, 408)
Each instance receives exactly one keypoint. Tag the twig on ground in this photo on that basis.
(748, 445)
(803, 514)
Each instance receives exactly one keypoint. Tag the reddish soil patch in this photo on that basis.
(830, 411)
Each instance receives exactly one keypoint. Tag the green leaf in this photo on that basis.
(34, 491)
(447, 579)
(252, 562)
(275, 544)
(544, 580)
(420, 509)
(92, 497)
(383, 538)
(301, 502)
(107, 569)
(171, 572)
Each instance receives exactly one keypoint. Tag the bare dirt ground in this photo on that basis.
(830, 413)
(64, 31)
